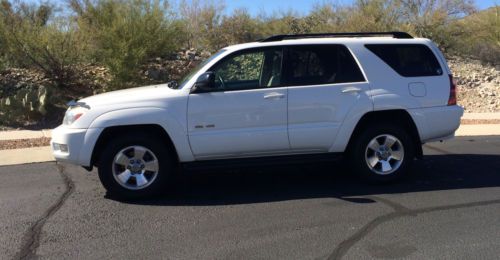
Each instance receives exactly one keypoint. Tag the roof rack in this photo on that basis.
(397, 35)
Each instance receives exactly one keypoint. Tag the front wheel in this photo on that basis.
(135, 166)
(382, 153)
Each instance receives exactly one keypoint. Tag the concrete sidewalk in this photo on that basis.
(26, 155)
(478, 130)
(44, 154)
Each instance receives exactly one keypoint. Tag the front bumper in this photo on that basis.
(74, 146)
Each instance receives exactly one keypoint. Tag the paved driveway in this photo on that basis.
(449, 208)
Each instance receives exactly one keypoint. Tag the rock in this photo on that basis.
(191, 54)
(478, 84)
(155, 74)
(205, 54)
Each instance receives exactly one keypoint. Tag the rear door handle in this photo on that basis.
(274, 95)
(351, 90)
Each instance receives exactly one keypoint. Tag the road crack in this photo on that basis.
(399, 212)
(31, 239)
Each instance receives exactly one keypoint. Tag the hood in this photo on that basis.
(127, 96)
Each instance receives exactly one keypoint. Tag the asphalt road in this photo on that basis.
(448, 208)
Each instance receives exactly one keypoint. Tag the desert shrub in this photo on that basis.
(201, 22)
(32, 36)
(372, 16)
(486, 53)
(239, 27)
(478, 35)
(123, 34)
(434, 19)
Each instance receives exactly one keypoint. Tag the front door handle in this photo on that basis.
(274, 95)
(351, 90)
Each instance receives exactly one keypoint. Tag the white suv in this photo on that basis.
(375, 97)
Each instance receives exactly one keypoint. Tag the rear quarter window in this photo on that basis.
(408, 60)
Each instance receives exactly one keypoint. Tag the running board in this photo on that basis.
(261, 161)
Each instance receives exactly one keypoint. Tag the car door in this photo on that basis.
(324, 84)
(247, 113)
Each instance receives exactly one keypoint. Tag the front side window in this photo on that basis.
(197, 68)
(249, 69)
(321, 64)
(408, 60)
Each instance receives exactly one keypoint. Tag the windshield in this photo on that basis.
(197, 68)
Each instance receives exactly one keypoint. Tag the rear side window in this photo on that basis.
(408, 60)
(320, 64)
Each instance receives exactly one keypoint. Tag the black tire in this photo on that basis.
(158, 184)
(359, 152)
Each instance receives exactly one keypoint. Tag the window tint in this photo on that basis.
(249, 69)
(409, 60)
(321, 64)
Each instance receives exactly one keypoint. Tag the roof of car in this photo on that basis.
(328, 40)
(280, 37)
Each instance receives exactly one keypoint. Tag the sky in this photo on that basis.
(256, 7)
(303, 6)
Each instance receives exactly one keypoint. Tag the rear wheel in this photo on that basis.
(382, 153)
(135, 166)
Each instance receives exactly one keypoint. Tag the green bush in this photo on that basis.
(201, 21)
(31, 36)
(123, 34)
(478, 35)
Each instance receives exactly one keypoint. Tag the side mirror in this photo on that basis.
(204, 83)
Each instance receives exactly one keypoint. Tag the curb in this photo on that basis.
(26, 155)
(478, 130)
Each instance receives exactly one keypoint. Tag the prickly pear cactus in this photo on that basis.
(26, 103)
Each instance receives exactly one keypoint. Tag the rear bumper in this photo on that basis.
(74, 145)
(436, 123)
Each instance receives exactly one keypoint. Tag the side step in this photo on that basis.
(261, 161)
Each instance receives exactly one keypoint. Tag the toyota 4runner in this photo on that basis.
(374, 97)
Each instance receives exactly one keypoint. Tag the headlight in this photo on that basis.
(72, 114)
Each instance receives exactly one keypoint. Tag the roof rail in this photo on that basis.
(397, 35)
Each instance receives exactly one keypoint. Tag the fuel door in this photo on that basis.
(417, 89)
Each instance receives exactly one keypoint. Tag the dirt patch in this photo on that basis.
(479, 121)
(24, 143)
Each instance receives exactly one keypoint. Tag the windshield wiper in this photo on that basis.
(173, 84)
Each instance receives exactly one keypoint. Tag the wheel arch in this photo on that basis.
(111, 132)
(401, 116)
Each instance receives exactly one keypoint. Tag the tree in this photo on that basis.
(202, 21)
(33, 36)
(124, 34)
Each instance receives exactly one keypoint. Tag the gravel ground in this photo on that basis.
(479, 121)
(478, 84)
(24, 143)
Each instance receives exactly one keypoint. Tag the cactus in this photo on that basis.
(27, 103)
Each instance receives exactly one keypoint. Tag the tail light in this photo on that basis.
(452, 100)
